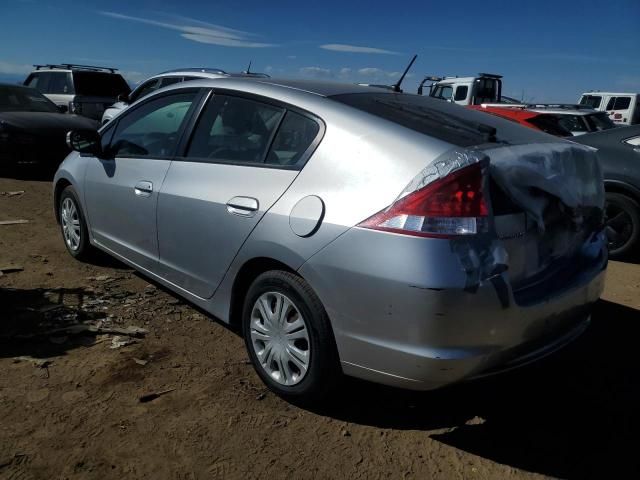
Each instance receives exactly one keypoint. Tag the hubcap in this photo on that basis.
(619, 227)
(280, 338)
(70, 224)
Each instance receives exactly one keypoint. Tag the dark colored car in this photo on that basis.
(619, 153)
(33, 129)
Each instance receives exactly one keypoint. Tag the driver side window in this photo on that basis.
(152, 129)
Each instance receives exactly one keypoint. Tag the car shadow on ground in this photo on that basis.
(574, 415)
(37, 173)
(43, 323)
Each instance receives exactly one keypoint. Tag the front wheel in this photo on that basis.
(73, 225)
(289, 338)
(622, 225)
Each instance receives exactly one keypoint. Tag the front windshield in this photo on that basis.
(22, 99)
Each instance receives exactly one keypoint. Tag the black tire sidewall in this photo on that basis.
(83, 249)
(632, 208)
(323, 365)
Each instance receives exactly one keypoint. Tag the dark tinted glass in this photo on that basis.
(145, 89)
(622, 103)
(20, 99)
(461, 93)
(60, 83)
(234, 129)
(100, 84)
(39, 81)
(294, 136)
(152, 129)
(599, 121)
(169, 81)
(425, 115)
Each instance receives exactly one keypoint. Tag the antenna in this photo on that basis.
(396, 87)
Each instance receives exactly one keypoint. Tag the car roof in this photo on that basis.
(609, 93)
(321, 88)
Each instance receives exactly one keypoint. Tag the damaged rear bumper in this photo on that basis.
(409, 318)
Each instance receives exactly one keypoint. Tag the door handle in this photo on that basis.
(244, 206)
(143, 188)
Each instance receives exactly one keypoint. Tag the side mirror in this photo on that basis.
(62, 108)
(123, 97)
(85, 141)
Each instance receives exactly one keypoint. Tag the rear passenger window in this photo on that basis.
(39, 81)
(60, 83)
(622, 103)
(234, 129)
(294, 136)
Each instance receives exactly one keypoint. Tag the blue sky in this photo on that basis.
(548, 50)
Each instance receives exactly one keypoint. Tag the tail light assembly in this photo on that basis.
(448, 207)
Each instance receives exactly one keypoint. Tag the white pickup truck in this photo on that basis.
(623, 108)
(483, 88)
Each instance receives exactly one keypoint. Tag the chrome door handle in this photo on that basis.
(244, 206)
(143, 188)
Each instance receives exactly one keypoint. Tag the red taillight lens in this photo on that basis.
(454, 205)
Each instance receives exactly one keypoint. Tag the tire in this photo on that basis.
(622, 224)
(79, 247)
(283, 374)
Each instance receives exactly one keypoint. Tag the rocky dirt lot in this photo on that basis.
(84, 348)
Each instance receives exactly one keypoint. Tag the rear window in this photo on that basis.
(592, 101)
(573, 123)
(419, 113)
(100, 84)
(599, 121)
(622, 103)
(549, 124)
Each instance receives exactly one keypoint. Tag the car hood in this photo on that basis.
(45, 123)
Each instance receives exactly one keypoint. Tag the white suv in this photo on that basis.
(623, 108)
(168, 78)
(81, 89)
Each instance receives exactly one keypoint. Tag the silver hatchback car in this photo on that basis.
(346, 229)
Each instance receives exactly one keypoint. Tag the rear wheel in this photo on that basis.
(289, 338)
(622, 225)
(73, 225)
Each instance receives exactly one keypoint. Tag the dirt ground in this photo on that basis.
(70, 403)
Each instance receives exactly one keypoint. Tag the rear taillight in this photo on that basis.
(451, 206)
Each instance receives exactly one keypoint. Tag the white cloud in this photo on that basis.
(198, 31)
(340, 47)
(7, 68)
(372, 72)
(316, 72)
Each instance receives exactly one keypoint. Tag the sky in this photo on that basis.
(546, 50)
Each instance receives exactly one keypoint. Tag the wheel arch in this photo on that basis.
(249, 271)
(61, 184)
(617, 186)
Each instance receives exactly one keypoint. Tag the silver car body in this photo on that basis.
(406, 311)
